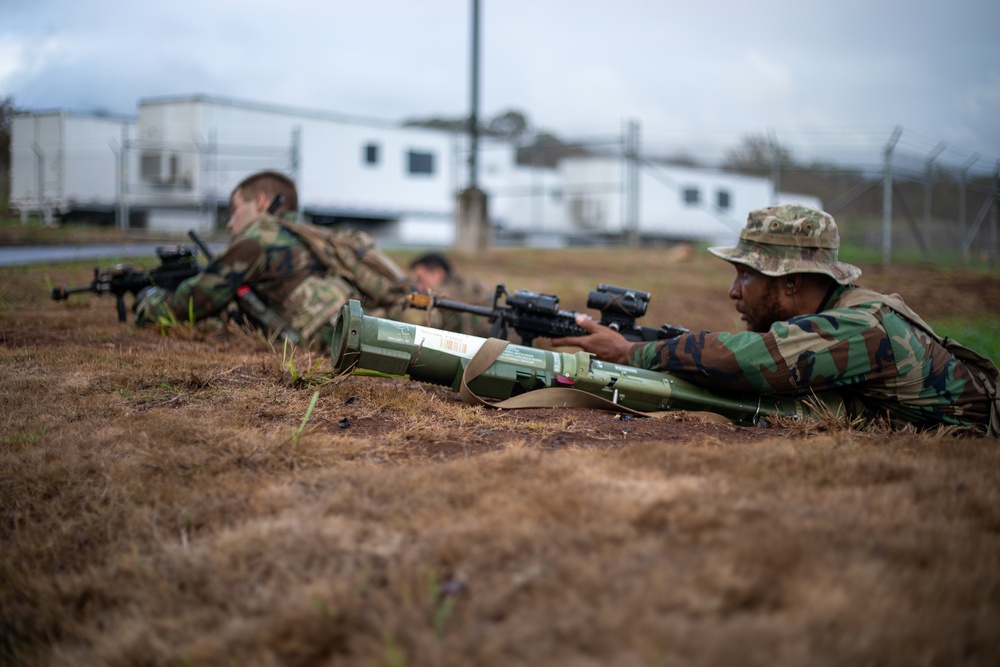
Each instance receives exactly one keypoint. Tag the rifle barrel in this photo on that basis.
(426, 302)
(62, 293)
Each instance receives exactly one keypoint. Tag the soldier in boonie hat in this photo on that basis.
(809, 329)
(781, 240)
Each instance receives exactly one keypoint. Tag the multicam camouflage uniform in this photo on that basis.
(870, 347)
(285, 274)
(470, 291)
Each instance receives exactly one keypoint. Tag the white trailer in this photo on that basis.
(194, 150)
(668, 202)
(63, 161)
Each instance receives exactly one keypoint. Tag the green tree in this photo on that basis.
(546, 150)
(756, 154)
(511, 125)
(440, 123)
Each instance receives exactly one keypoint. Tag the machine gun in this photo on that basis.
(533, 315)
(177, 264)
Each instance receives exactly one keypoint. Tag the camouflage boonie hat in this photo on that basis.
(788, 239)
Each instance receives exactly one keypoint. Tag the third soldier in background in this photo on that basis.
(434, 274)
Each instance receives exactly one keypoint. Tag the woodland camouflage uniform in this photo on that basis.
(290, 278)
(869, 347)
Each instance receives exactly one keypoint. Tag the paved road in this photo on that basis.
(104, 254)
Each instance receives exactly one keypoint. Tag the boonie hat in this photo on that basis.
(780, 240)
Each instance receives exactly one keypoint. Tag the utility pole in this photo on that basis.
(472, 234)
(474, 102)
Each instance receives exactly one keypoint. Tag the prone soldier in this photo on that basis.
(302, 273)
(434, 274)
(811, 329)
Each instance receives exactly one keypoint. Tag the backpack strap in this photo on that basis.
(548, 397)
(339, 251)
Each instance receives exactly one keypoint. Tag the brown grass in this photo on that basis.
(161, 505)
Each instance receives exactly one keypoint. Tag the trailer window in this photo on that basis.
(420, 163)
(723, 200)
(691, 196)
(371, 154)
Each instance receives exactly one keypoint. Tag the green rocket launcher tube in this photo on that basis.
(440, 357)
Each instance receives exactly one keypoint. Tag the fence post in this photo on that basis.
(123, 212)
(928, 183)
(963, 224)
(632, 184)
(887, 198)
(296, 154)
(40, 175)
(208, 180)
(995, 196)
(775, 166)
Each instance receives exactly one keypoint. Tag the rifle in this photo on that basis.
(177, 264)
(531, 377)
(533, 315)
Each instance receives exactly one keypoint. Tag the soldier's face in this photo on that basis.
(426, 278)
(758, 298)
(241, 212)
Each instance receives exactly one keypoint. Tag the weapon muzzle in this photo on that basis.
(345, 346)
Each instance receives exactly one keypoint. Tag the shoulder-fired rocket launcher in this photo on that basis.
(441, 357)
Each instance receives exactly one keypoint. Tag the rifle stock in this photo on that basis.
(441, 357)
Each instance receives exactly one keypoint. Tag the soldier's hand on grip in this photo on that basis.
(603, 342)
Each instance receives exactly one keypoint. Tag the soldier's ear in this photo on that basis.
(260, 202)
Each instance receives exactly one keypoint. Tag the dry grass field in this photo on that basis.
(164, 500)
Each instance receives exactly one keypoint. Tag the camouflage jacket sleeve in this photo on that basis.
(803, 353)
(869, 353)
(211, 290)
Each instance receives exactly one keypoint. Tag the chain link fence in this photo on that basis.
(167, 177)
(892, 192)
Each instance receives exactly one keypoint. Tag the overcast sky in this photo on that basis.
(821, 71)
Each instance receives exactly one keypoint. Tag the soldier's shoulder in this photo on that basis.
(267, 231)
(468, 288)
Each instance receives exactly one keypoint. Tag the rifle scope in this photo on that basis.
(618, 301)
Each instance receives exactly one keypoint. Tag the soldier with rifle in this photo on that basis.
(299, 276)
(434, 274)
(811, 329)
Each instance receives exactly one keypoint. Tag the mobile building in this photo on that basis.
(608, 196)
(395, 181)
(174, 166)
(64, 162)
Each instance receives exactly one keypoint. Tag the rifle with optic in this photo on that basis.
(177, 264)
(533, 315)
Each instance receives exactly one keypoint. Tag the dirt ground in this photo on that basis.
(171, 498)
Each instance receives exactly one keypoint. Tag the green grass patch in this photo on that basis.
(981, 334)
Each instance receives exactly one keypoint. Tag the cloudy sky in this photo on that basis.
(692, 72)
